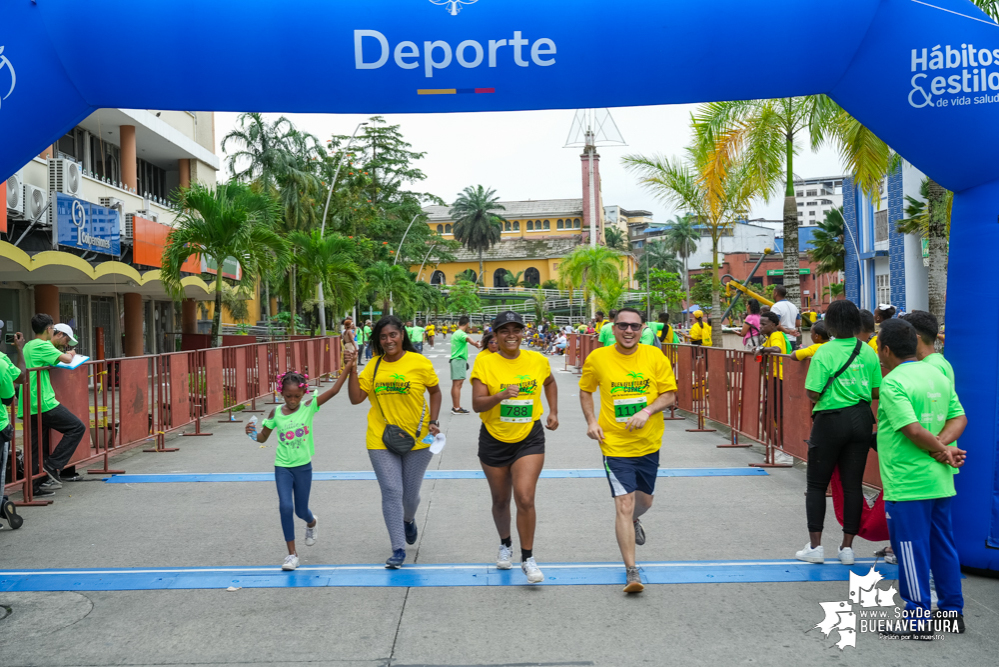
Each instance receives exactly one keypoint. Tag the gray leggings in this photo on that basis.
(400, 478)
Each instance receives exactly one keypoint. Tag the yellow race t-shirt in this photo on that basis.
(873, 342)
(779, 340)
(430, 329)
(399, 389)
(806, 352)
(628, 383)
(706, 335)
(512, 420)
(696, 332)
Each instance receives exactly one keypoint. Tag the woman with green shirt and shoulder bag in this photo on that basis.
(843, 378)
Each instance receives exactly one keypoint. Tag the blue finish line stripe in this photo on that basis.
(556, 574)
(431, 474)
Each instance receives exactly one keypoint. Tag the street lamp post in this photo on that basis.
(322, 229)
(396, 260)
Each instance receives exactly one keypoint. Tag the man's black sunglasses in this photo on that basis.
(624, 326)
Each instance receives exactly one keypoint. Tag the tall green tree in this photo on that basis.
(227, 220)
(391, 285)
(711, 184)
(766, 135)
(615, 238)
(657, 255)
(681, 238)
(463, 298)
(590, 268)
(328, 260)
(828, 251)
(477, 224)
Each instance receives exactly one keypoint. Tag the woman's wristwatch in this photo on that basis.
(434, 422)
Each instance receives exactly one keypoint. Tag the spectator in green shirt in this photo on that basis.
(606, 336)
(416, 335)
(927, 329)
(9, 376)
(842, 424)
(919, 419)
(459, 363)
(41, 352)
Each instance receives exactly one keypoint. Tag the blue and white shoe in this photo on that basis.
(396, 560)
(411, 531)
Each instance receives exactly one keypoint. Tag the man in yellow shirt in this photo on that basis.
(636, 384)
(696, 334)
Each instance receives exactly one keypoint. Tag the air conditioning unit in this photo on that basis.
(35, 199)
(129, 230)
(15, 194)
(65, 177)
(148, 215)
(112, 202)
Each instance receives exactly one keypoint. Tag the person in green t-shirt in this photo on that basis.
(842, 425)
(919, 419)
(295, 448)
(41, 352)
(927, 328)
(9, 376)
(459, 363)
(606, 335)
(367, 340)
(416, 335)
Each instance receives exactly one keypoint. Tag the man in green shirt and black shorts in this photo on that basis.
(459, 363)
(919, 419)
(9, 376)
(606, 333)
(41, 352)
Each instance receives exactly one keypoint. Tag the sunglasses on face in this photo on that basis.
(624, 326)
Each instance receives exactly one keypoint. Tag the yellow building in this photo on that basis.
(537, 236)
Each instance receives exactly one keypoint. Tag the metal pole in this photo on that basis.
(322, 229)
(425, 258)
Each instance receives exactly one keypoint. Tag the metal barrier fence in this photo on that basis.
(139, 400)
(763, 400)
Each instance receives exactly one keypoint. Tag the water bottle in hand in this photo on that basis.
(253, 429)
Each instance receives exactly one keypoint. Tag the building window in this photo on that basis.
(811, 193)
(881, 229)
(884, 288)
(70, 147)
(811, 203)
(447, 229)
(104, 160)
(530, 225)
(801, 193)
(516, 225)
(532, 277)
(559, 225)
(548, 224)
(440, 229)
(438, 278)
(506, 226)
(576, 223)
(811, 213)
(151, 180)
(499, 277)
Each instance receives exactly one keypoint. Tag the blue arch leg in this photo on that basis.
(973, 349)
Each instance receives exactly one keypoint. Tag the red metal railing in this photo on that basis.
(761, 400)
(137, 400)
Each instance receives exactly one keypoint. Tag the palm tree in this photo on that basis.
(828, 251)
(476, 224)
(681, 239)
(609, 295)
(467, 274)
(390, 284)
(328, 260)
(615, 238)
(766, 134)
(261, 148)
(514, 279)
(711, 184)
(590, 268)
(658, 255)
(227, 220)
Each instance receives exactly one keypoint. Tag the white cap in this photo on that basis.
(68, 330)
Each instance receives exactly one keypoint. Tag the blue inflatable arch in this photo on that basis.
(923, 74)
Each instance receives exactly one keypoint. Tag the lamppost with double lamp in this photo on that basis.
(322, 228)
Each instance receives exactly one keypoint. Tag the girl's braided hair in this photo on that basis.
(294, 378)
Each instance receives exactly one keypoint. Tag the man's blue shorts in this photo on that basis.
(628, 474)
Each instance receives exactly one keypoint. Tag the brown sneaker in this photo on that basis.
(634, 581)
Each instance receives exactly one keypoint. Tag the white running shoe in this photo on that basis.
(810, 555)
(504, 559)
(290, 563)
(312, 533)
(846, 556)
(533, 572)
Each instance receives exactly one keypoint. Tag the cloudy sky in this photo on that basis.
(520, 154)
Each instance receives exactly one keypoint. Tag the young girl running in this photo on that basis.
(294, 450)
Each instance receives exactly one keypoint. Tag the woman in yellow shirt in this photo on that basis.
(506, 393)
(395, 382)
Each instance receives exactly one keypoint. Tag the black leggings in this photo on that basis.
(839, 438)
